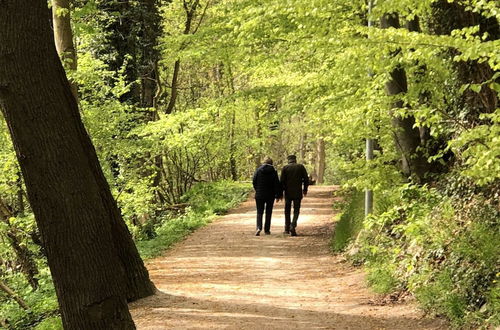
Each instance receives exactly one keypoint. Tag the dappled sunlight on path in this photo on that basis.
(224, 277)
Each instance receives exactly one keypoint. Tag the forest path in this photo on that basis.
(222, 276)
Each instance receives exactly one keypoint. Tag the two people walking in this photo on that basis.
(269, 188)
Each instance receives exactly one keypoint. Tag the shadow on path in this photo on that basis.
(222, 276)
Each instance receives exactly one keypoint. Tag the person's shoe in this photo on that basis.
(286, 232)
(257, 233)
(267, 233)
(293, 232)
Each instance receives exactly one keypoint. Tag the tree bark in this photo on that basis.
(406, 136)
(302, 148)
(89, 249)
(320, 161)
(63, 36)
(138, 283)
(232, 142)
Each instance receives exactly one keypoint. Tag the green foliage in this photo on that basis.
(216, 197)
(272, 78)
(349, 223)
(480, 147)
(50, 323)
(444, 250)
(381, 276)
(42, 302)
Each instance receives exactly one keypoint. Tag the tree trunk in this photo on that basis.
(320, 161)
(232, 142)
(173, 89)
(406, 136)
(89, 249)
(63, 36)
(302, 148)
(190, 12)
(232, 147)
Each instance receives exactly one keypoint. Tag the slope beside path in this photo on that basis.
(222, 276)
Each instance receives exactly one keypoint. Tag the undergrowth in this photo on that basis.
(440, 247)
(350, 221)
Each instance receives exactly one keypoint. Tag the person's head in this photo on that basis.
(268, 161)
(292, 159)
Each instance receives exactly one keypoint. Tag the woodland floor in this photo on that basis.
(222, 276)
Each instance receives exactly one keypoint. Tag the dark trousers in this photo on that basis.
(266, 204)
(296, 210)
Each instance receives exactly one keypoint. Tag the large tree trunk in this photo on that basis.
(92, 258)
(63, 36)
(137, 277)
(406, 136)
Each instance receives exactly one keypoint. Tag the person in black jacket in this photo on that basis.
(294, 180)
(267, 188)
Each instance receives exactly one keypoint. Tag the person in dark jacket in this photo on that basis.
(294, 180)
(267, 188)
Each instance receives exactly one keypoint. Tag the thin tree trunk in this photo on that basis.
(190, 12)
(302, 152)
(232, 143)
(63, 36)
(13, 295)
(320, 161)
(78, 219)
(173, 92)
(232, 147)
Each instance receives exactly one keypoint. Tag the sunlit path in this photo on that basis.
(224, 277)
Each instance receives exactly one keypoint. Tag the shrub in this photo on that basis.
(442, 248)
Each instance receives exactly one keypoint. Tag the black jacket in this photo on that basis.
(293, 176)
(266, 183)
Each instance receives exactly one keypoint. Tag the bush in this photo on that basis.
(441, 248)
(216, 197)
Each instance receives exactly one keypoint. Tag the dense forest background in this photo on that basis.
(184, 98)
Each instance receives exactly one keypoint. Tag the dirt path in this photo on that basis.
(224, 277)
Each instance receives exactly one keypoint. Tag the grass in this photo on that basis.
(349, 223)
